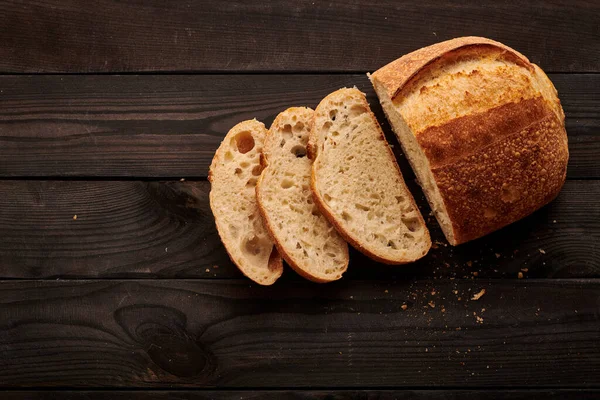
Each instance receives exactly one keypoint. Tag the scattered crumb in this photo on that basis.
(475, 273)
(479, 320)
(431, 304)
(433, 292)
(434, 246)
(215, 266)
(483, 310)
(554, 221)
(455, 291)
(207, 270)
(404, 307)
(443, 310)
(182, 180)
(524, 269)
(469, 263)
(477, 296)
(459, 299)
(542, 251)
(166, 249)
(385, 291)
(351, 297)
(497, 255)
(520, 275)
(340, 352)
(75, 217)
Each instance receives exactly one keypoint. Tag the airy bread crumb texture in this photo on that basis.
(304, 237)
(233, 174)
(358, 184)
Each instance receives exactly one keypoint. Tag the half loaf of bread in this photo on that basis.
(233, 174)
(303, 236)
(482, 128)
(357, 183)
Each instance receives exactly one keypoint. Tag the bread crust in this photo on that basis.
(312, 151)
(280, 247)
(495, 167)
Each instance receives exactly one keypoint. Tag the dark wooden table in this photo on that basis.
(115, 284)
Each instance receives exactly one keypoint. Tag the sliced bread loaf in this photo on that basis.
(233, 174)
(357, 183)
(303, 236)
(483, 129)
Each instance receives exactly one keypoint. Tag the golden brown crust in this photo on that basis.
(503, 183)
(398, 73)
(460, 137)
(493, 166)
(324, 208)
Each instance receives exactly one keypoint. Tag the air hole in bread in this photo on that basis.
(400, 199)
(298, 127)
(244, 142)
(251, 182)
(346, 216)
(328, 271)
(286, 183)
(332, 114)
(282, 143)
(392, 244)
(335, 133)
(350, 158)
(298, 245)
(244, 164)
(228, 156)
(233, 230)
(298, 150)
(252, 245)
(327, 125)
(357, 110)
(370, 215)
(286, 132)
(257, 170)
(374, 196)
(315, 212)
(361, 207)
(411, 223)
(327, 198)
(238, 171)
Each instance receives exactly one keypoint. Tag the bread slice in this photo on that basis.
(233, 174)
(358, 185)
(303, 236)
(483, 129)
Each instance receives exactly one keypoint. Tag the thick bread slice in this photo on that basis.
(233, 174)
(482, 128)
(358, 185)
(303, 236)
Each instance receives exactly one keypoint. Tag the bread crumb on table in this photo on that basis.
(477, 296)
(542, 251)
(524, 269)
(497, 255)
(520, 275)
(404, 307)
(431, 304)
(75, 217)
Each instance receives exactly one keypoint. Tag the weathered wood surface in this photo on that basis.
(132, 229)
(434, 394)
(169, 126)
(351, 334)
(201, 36)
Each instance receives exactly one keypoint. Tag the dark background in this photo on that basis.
(106, 105)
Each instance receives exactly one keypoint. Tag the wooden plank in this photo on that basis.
(230, 334)
(170, 125)
(196, 35)
(475, 394)
(165, 229)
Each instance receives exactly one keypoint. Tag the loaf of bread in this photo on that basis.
(303, 236)
(358, 185)
(233, 174)
(482, 128)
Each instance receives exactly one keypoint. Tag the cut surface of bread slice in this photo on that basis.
(233, 174)
(358, 185)
(303, 236)
(482, 128)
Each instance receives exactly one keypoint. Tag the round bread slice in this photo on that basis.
(303, 236)
(482, 128)
(233, 174)
(357, 183)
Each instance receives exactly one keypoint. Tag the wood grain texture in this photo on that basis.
(170, 125)
(135, 229)
(354, 334)
(476, 394)
(195, 35)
